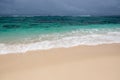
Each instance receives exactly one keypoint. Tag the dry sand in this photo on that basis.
(78, 63)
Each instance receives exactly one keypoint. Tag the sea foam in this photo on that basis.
(66, 40)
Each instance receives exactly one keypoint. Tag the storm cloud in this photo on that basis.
(60, 7)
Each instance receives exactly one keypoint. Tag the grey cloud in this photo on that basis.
(60, 7)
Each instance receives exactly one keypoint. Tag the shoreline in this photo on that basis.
(100, 62)
(49, 49)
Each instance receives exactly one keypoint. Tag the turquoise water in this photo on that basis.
(21, 34)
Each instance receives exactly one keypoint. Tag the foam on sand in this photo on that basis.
(65, 40)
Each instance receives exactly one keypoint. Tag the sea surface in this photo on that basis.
(22, 34)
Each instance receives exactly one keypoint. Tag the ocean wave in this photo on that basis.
(67, 40)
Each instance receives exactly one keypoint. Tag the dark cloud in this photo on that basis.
(60, 7)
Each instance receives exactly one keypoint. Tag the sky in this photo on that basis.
(60, 7)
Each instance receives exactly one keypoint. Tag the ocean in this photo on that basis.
(22, 34)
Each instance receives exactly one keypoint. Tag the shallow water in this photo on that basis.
(21, 34)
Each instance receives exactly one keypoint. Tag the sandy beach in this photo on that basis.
(100, 62)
